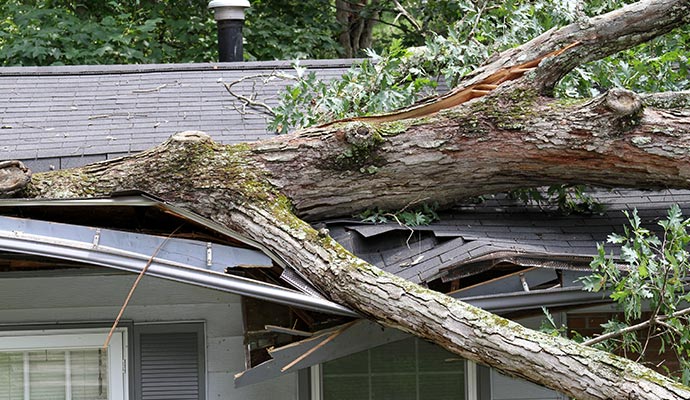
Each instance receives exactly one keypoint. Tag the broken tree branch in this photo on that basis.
(660, 319)
(599, 37)
(133, 288)
(251, 101)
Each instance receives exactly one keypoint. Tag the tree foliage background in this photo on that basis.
(443, 53)
(105, 32)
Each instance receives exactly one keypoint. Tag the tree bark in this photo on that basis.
(356, 28)
(512, 137)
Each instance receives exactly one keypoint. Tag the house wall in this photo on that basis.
(587, 322)
(55, 298)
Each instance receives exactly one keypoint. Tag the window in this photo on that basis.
(409, 369)
(62, 364)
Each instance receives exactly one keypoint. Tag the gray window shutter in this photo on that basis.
(169, 362)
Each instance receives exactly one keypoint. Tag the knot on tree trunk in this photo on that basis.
(361, 152)
(623, 102)
(14, 176)
(191, 136)
(188, 148)
(360, 135)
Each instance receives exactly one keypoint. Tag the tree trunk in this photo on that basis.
(356, 27)
(507, 140)
(514, 136)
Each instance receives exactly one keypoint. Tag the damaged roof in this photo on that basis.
(59, 117)
(83, 232)
(473, 239)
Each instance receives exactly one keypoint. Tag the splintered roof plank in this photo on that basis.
(509, 283)
(432, 263)
(446, 233)
(362, 335)
(370, 230)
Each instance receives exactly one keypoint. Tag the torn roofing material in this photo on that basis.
(552, 251)
(474, 238)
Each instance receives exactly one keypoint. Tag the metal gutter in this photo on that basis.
(80, 244)
(142, 199)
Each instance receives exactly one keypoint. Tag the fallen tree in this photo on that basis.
(498, 130)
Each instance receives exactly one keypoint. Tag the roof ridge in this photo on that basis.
(122, 69)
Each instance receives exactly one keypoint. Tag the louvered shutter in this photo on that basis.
(169, 366)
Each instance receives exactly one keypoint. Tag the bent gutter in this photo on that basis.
(135, 198)
(18, 241)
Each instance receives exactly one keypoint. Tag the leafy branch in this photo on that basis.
(568, 199)
(423, 214)
(653, 275)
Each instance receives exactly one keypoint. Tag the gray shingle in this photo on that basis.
(43, 164)
(131, 107)
(72, 162)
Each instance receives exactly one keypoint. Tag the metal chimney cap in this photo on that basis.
(228, 9)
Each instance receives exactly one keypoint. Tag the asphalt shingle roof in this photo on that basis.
(69, 116)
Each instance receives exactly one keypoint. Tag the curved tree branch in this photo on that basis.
(659, 319)
(598, 37)
(404, 13)
(251, 100)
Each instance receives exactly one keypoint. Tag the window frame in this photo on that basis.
(77, 339)
(476, 388)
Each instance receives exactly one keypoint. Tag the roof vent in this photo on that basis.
(229, 16)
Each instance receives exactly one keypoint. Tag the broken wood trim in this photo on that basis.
(332, 336)
(288, 331)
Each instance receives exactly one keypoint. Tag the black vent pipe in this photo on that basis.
(229, 16)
